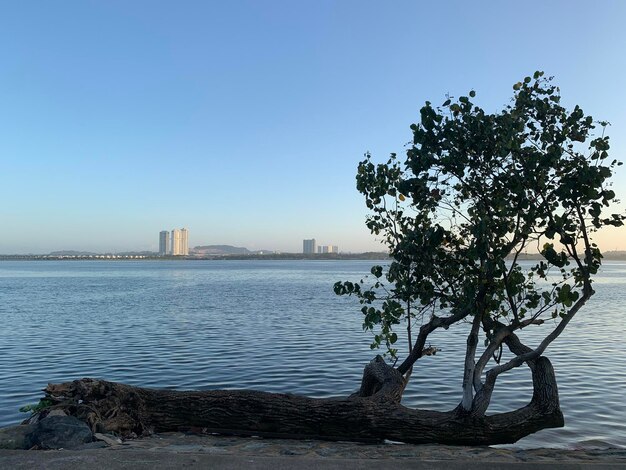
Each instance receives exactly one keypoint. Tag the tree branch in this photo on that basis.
(470, 364)
(434, 323)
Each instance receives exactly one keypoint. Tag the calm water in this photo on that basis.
(274, 326)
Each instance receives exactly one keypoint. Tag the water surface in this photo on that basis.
(275, 326)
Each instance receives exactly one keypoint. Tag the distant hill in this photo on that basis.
(615, 255)
(220, 250)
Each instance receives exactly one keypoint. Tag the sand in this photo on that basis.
(178, 450)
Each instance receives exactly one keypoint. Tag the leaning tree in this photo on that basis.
(475, 193)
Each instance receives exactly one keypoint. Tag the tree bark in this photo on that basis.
(372, 414)
(470, 364)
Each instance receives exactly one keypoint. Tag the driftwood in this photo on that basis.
(373, 413)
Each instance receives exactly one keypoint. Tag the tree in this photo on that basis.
(475, 191)
(474, 194)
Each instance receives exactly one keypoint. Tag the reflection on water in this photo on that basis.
(274, 326)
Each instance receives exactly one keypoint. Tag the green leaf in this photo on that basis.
(377, 271)
(34, 408)
(481, 186)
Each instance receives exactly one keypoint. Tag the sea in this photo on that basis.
(277, 326)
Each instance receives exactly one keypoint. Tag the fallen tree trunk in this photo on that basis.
(127, 410)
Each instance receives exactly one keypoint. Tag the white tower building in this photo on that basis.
(180, 242)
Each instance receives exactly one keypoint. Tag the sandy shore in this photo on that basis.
(178, 450)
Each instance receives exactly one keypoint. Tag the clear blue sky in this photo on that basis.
(244, 121)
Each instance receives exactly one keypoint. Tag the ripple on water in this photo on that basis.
(273, 326)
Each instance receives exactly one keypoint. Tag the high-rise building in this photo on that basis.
(180, 242)
(308, 246)
(185, 241)
(164, 243)
(327, 249)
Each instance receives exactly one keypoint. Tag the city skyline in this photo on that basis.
(109, 105)
(310, 247)
(166, 248)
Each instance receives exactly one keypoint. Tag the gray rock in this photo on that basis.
(16, 437)
(47, 413)
(52, 413)
(33, 419)
(60, 432)
(109, 439)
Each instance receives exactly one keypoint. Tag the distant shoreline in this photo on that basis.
(271, 256)
(608, 256)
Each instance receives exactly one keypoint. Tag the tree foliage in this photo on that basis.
(477, 191)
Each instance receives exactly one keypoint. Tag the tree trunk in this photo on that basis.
(372, 414)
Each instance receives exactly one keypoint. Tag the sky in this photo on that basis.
(244, 121)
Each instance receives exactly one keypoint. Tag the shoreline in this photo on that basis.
(174, 450)
(615, 256)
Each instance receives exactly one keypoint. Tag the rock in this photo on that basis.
(43, 414)
(33, 419)
(110, 439)
(60, 432)
(56, 413)
(16, 437)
